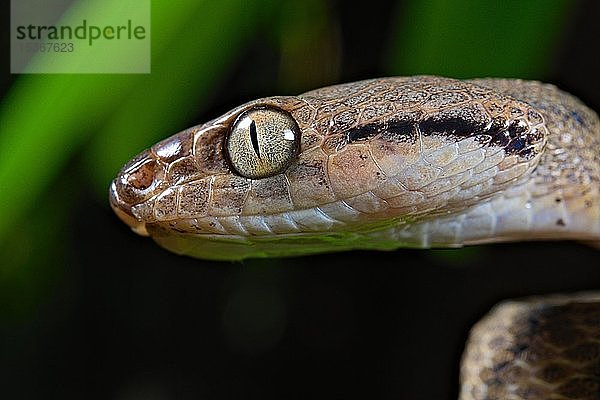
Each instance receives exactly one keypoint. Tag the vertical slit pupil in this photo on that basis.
(254, 138)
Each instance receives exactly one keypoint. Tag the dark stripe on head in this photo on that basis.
(513, 137)
(364, 132)
(498, 131)
(516, 128)
(397, 129)
(390, 130)
(449, 126)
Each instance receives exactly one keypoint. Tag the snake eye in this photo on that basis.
(263, 142)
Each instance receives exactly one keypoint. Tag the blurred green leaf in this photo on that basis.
(309, 37)
(464, 38)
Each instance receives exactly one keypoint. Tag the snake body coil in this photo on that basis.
(538, 348)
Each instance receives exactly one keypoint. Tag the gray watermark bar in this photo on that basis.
(82, 36)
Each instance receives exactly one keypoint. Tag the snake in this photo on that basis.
(397, 162)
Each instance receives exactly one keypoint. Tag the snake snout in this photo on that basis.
(124, 212)
(139, 180)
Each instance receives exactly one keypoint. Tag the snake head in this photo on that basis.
(378, 164)
(290, 174)
(202, 171)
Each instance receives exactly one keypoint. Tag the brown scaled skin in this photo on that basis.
(434, 161)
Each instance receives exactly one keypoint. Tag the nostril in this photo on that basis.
(139, 179)
(143, 176)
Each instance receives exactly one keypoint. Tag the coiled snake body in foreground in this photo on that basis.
(387, 163)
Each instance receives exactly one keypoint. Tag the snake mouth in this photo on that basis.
(124, 213)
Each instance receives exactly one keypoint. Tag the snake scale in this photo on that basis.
(397, 162)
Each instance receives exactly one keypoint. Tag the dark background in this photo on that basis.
(118, 317)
